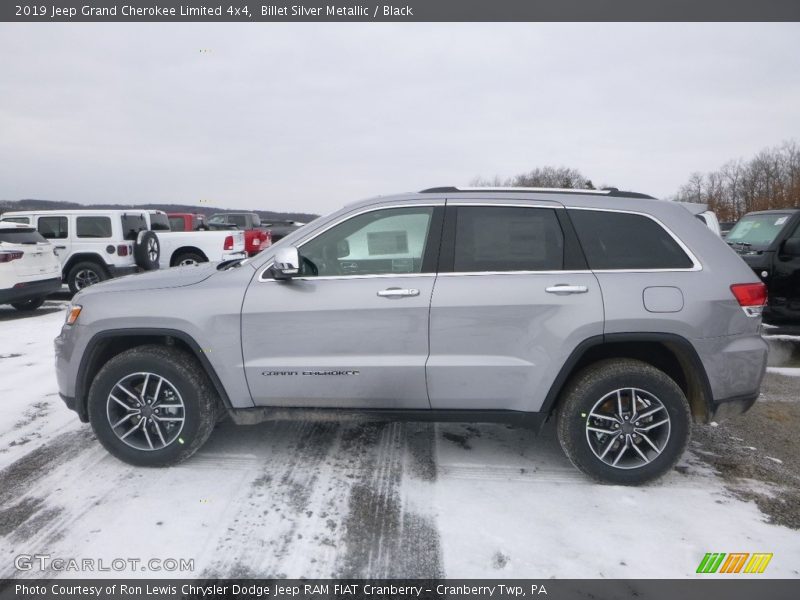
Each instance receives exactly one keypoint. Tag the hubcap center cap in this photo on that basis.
(627, 428)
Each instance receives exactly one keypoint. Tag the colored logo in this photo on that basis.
(735, 562)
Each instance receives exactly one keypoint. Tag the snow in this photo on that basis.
(348, 499)
(788, 371)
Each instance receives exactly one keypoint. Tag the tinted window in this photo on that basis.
(374, 243)
(21, 236)
(159, 222)
(177, 224)
(614, 240)
(239, 220)
(53, 228)
(132, 224)
(16, 219)
(93, 227)
(499, 238)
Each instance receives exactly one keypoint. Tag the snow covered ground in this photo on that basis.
(360, 499)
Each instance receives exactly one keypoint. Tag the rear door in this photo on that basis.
(512, 300)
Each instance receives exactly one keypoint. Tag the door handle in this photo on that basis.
(565, 288)
(398, 292)
(61, 247)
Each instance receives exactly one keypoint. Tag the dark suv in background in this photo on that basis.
(769, 242)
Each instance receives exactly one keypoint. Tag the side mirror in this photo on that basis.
(792, 246)
(286, 263)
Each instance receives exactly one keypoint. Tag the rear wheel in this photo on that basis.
(29, 305)
(152, 406)
(188, 258)
(623, 421)
(84, 274)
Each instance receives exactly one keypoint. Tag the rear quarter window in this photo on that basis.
(93, 227)
(618, 240)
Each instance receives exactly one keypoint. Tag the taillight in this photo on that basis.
(228, 243)
(9, 255)
(122, 250)
(751, 297)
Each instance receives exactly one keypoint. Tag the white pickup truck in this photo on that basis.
(94, 245)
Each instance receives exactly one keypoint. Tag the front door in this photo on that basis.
(784, 288)
(351, 331)
(512, 300)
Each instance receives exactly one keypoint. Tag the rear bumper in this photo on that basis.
(731, 407)
(29, 290)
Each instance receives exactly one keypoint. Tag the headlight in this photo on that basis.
(73, 313)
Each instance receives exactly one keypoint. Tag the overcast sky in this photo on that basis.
(308, 117)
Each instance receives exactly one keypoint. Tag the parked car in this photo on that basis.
(726, 226)
(256, 237)
(625, 320)
(29, 268)
(95, 245)
(280, 229)
(769, 242)
(187, 222)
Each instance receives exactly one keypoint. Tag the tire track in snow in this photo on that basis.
(386, 534)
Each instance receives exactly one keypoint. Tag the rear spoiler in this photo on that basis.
(694, 207)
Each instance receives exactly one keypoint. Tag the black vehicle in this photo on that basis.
(769, 242)
(281, 229)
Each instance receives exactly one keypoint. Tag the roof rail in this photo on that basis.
(603, 192)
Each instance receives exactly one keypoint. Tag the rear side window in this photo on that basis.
(177, 224)
(53, 228)
(613, 240)
(239, 220)
(93, 227)
(499, 238)
(21, 236)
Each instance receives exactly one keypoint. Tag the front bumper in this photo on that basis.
(29, 290)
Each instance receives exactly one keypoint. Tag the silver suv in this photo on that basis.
(621, 315)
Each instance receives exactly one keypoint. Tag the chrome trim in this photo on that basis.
(561, 288)
(480, 273)
(334, 277)
(695, 262)
(532, 189)
(552, 204)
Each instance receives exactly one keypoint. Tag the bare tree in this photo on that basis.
(546, 177)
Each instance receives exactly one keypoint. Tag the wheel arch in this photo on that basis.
(173, 259)
(74, 259)
(105, 345)
(671, 353)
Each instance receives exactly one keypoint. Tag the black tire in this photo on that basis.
(29, 305)
(188, 258)
(84, 274)
(182, 373)
(599, 382)
(147, 250)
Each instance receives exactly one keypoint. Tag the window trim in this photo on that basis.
(696, 265)
(433, 236)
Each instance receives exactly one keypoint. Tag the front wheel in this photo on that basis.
(152, 406)
(623, 421)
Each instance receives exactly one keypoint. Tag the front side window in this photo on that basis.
(380, 242)
(616, 240)
(500, 238)
(53, 228)
(93, 227)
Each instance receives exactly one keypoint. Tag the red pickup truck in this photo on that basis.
(256, 237)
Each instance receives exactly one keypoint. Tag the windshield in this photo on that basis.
(757, 230)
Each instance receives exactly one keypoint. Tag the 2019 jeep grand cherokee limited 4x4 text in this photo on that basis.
(622, 315)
